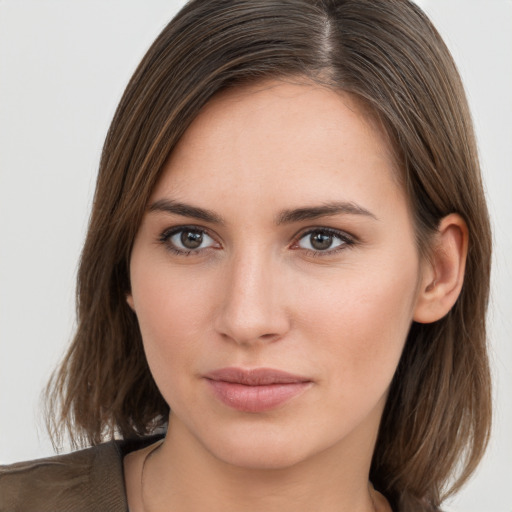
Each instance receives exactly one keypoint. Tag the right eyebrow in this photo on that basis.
(324, 210)
(185, 210)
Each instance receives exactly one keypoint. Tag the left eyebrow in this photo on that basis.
(325, 210)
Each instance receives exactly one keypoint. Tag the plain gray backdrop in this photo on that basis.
(63, 67)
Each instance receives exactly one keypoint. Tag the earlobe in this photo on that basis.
(129, 300)
(444, 273)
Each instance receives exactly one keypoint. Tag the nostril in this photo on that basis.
(245, 339)
(270, 337)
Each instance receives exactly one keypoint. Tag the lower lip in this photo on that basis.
(256, 398)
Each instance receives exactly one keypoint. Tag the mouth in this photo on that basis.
(255, 390)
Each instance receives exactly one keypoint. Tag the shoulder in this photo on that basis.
(87, 480)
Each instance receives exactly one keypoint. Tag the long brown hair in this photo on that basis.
(388, 55)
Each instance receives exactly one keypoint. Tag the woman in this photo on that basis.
(288, 205)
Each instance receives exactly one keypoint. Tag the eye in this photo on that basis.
(185, 240)
(324, 240)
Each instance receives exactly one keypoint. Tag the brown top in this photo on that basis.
(90, 480)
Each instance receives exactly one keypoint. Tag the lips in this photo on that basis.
(255, 390)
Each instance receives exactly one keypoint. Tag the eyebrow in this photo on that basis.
(325, 210)
(285, 217)
(185, 210)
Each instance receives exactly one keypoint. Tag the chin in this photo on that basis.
(266, 447)
(262, 456)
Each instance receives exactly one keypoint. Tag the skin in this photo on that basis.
(255, 294)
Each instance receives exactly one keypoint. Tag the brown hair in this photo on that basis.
(387, 54)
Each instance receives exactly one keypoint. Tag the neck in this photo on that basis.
(182, 476)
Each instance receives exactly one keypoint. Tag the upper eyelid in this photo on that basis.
(334, 231)
(301, 232)
(176, 229)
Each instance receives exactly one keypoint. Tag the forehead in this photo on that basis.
(275, 136)
(302, 100)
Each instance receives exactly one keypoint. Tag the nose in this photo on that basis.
(253, 308)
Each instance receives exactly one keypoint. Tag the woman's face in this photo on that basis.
(275, 276)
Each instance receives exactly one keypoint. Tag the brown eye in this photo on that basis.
(320, 241)
(188, 239)
(324, 240)
(191, 239)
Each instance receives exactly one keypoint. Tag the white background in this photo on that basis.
(63, 67)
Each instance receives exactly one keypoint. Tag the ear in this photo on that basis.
(443, 272)
(129, 300)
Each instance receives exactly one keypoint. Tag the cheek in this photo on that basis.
(172, 311)
(357, 324)
(169, 299)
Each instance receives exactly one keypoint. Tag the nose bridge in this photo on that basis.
(252, 305)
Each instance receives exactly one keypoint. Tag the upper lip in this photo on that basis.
(255, 376)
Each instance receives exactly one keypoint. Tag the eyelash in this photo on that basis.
(346, 239)
(165, 239)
